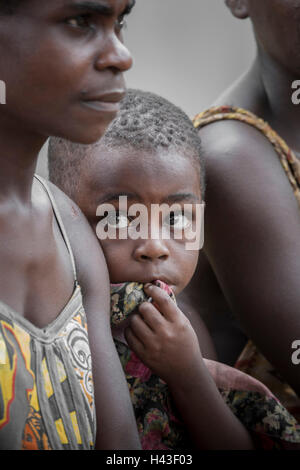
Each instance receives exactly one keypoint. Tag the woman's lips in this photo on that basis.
(107, 102)
(102, 106)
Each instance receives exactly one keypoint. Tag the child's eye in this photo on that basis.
(177, 220)
(118, 220)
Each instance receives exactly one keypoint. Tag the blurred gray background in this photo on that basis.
(187, 51)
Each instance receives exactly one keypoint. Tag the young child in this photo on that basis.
(62, 62)
(151, 155)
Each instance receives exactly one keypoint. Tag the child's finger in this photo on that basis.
(141, 330)
(162, 301)
(151, 316)
(133, 342)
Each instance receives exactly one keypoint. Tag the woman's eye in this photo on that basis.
(178, 220)
(118, 220)
(121, 23)
(81, 21)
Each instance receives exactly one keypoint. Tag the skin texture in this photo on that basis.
(50, 59)
(160, 333)
(252, 263)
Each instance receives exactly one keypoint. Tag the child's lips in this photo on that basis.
(163, 280)
(167, 287)
(160, 278)
(153, 279)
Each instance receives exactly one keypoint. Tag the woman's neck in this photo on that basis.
(266, 90)
(19, 151)
(282, 113)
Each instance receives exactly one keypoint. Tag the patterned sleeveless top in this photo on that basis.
(46, 386)
(251, 360)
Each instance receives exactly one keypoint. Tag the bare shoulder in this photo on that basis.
(90, 262)
(249, 197)
(230, 142)
(244, 168)
(72, 216)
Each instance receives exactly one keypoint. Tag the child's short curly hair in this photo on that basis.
(146, 121)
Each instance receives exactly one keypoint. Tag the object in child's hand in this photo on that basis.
(126, 297)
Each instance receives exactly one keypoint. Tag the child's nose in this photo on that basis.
(151, 250)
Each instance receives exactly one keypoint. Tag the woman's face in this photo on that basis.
(63, 63)
(277, 28)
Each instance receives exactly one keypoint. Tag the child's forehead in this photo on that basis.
(120, 161)
(125, 169)
(138, 159)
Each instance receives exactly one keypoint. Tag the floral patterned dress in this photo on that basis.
(159, 423)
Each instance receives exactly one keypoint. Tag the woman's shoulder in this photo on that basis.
(248, 171)
(72, 217)
(243, 154)
(88, 254)
(230, 135)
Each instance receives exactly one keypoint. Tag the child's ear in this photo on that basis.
(239, 8)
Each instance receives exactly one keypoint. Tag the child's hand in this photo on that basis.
(164, 339)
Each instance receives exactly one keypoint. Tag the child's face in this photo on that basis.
(145, 178)
(63, 63)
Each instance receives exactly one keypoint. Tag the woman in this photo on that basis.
(62, 63)
(252, 247)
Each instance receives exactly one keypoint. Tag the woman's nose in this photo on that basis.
(114, 55)
(151, 250)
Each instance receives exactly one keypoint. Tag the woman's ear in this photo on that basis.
(239, 8)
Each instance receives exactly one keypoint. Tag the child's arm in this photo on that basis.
(165, 341)
(116, 424)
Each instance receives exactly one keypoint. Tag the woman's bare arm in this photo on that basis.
(252, 239)
(116, 424)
